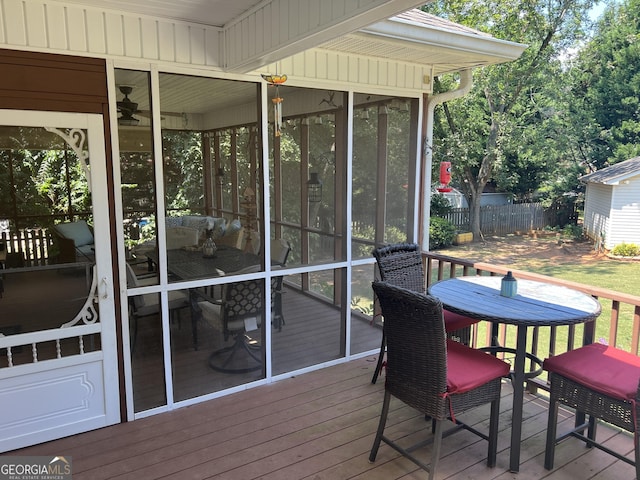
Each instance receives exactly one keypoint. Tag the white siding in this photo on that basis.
(624, 226)
(72, 29)
(323, 65)
(597, 208)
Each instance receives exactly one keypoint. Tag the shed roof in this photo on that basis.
(615, 173)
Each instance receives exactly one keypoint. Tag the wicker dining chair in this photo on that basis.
(439, 377)
(599, 381)
(401, 265)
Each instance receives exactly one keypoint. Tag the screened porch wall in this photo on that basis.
(207, 167)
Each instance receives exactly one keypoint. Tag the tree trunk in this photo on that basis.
(475, 183)
(474, 216)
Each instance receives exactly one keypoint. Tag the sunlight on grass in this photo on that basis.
(614, 275)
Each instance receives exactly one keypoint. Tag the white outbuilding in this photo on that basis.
(612, 204)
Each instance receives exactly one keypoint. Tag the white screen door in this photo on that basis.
(58, 360)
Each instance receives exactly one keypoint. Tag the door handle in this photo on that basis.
(104, 287)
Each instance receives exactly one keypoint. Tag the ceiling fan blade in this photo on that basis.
(127, 108)
(147, 113)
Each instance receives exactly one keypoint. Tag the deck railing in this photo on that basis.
(27, 247)
(620, 312)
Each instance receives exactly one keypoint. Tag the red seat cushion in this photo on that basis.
(455, 321)
(605, 369)
(468, 368)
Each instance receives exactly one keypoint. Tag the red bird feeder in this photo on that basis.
(445, 177)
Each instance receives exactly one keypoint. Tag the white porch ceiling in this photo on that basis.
(215, 13)
(255, 33)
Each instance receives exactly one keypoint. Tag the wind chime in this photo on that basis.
(276, 80)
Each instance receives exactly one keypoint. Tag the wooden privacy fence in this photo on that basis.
(503, 219)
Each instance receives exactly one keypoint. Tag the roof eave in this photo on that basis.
(609, 181)
(491, 49)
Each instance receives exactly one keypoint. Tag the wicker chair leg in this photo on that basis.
(492, 451)
(550, 448)
(383, 348)
(381, 424)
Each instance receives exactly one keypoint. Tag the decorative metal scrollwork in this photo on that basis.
(88, 315)
(76, 138)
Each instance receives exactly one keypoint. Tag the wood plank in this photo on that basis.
(320, 426)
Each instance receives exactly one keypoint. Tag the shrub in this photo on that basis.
(626, 250)
(572, 231)
(441, 233)
(440, 206)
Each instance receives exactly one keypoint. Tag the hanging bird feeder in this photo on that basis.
(445, 177)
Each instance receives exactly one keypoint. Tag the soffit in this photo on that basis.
(216, 13)
(419, 38)
(413, 37)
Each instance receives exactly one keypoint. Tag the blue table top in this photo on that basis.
(536, 303)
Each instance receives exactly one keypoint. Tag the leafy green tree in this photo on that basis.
(487, 135)
(606, 86)
(183, 169)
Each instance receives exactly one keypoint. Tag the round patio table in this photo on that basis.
(536, 304)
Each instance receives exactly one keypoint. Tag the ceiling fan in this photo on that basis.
(128, 108)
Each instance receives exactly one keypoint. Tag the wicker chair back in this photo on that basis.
(401, 265)
(416, 370)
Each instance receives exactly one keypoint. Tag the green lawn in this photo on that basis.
(615, 275)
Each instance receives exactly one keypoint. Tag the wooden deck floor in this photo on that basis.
(319, 426)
